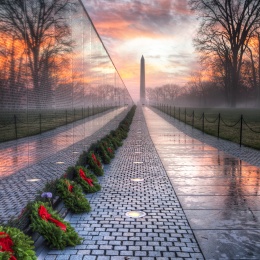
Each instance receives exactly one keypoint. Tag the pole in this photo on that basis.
(192, 118)
(218, 124)
(15, 127)
(241, 130)
(203, 117)
(40, 123)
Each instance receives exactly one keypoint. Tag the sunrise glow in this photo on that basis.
(161, 31)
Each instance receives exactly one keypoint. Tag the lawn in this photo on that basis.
(22, 123)
(223, 122)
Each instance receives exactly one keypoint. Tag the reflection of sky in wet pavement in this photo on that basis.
(15, 155)
(219, 193)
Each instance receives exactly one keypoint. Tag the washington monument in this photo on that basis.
(142, 81)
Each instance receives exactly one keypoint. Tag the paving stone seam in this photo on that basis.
(168, 237)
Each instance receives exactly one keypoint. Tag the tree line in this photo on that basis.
(42, 60)
(35, 40)
(228, 44)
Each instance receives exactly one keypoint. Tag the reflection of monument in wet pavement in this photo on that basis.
(142, 81)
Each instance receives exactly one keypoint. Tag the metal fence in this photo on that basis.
(26, 124)
(238, 129)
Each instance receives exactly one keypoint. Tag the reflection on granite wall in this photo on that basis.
(54, 68)
(51, 57)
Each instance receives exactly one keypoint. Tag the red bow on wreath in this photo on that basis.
(45, 215)
(6, 244)
(96, 160)
(110, 150)
(70, 187)
(84, 177)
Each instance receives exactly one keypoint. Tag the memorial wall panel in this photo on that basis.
(54, 67)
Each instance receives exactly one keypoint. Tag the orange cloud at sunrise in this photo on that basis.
(160, 30)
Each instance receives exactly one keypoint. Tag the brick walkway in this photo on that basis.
(40, 162)
(246, 154)
(108, 233)
(217, 184)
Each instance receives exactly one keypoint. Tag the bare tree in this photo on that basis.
(166, 93)
(171, 92)
(253, 53)
(42, 28)
(226, 28)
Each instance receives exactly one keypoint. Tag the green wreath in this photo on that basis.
(71, 194)
(108, 147)
(102, 152)
(88, 181)
(15, 245)
(120, 134)
(115, 139)
(117, 135)
(94, 164)
(57, 232)
(111, 140)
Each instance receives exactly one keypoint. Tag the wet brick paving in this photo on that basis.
(246, 154)
(108, 233)
(217, 183)
(16, 191)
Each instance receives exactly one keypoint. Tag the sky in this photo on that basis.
(160, 30)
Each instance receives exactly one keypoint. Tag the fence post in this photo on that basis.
(185, 115)
(203, 117)
(40, 123)
(66, 115)
(241, 130)
(218, 124)
(192, 118)
(82, 113)
(15, 126)
(179, 114)
(171, 111)
(174, 111)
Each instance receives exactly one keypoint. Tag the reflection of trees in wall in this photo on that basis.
(105, 94)
(12, 84)
(41, 33)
